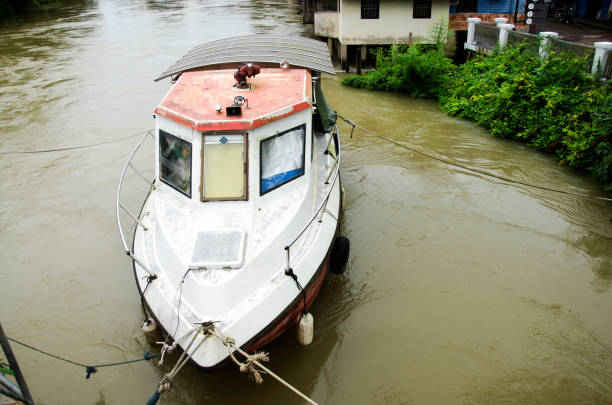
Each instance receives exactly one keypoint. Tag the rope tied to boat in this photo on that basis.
(253, 361)
(165, 384)
(468, 168)
(250, 364)
(89, 369)
(289, 272)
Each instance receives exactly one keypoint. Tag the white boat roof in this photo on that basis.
(297, 51)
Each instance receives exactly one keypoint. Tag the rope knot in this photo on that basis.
(148, 356)
(250, 366)
(165, 384)
(90, 370)
(229, 342)
(166, 348)
(289, 272)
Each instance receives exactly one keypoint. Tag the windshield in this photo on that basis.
(224, 167)
(175, 162)
(282, 158)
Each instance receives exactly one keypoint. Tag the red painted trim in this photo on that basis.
(231, 125)
(293, 316)
(266, 119)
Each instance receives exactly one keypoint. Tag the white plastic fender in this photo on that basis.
(149, 328)
(306, 329)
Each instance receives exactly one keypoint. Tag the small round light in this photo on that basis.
(218, 108)
(284, 65)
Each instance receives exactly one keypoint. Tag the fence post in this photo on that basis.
(504, 30)
(602, 53)
(546, 37)
(472, 30)
(500, 20)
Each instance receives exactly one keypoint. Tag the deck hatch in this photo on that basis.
(218, 249)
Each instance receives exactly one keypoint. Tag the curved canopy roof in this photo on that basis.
(298, 51)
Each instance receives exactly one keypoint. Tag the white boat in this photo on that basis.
(240, 225)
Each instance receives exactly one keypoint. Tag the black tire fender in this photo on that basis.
(339, 255)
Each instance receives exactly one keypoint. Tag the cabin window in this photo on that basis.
(282, 158)
(175, 162)
(369, 9)
(422, 9)
(224, 167)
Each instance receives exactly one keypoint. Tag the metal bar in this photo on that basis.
(324, 202)
(125, 246)
(7, 387)
(141, 264)
(288, 257)
(133, 217)
(10, 357)
(323, 210)
(331, 214)
(150, 183)
(330, 172)
(329, 143)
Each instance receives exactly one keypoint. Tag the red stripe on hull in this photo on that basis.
(293, 315)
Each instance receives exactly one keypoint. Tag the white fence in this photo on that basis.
(484, 38)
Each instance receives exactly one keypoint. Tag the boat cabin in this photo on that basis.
(220, 142)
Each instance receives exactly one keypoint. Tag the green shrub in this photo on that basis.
(553, 105)
(418, 71)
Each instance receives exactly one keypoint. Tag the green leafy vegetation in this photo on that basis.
(553, 105)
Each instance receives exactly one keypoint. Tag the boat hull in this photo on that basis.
(286, 319)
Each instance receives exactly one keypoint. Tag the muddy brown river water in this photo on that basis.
(461, 289)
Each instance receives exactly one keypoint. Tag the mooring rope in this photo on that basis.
(252, 364)
(468, 168)
(72, 147)
(89, 369)
(253, 360)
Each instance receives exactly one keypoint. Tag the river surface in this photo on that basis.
(461, 289)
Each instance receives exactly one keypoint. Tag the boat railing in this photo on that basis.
(332, 177)
(120, 207)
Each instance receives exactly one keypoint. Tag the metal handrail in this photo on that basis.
(120, 206)
(323, 205)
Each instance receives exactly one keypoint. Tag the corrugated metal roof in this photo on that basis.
(298, 51)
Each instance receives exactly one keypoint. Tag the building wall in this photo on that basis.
(395, 22)
(495, 6)
(458, 21)
(327, 24)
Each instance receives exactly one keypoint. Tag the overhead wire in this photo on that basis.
(72, 147)
(89, 369)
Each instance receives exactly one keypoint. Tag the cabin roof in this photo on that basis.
(261, 49)
(275, 93)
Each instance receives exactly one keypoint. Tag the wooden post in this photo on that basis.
(358, 60)
(344, 58)
(10, 357)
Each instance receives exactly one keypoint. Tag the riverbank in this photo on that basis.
(552, 105)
